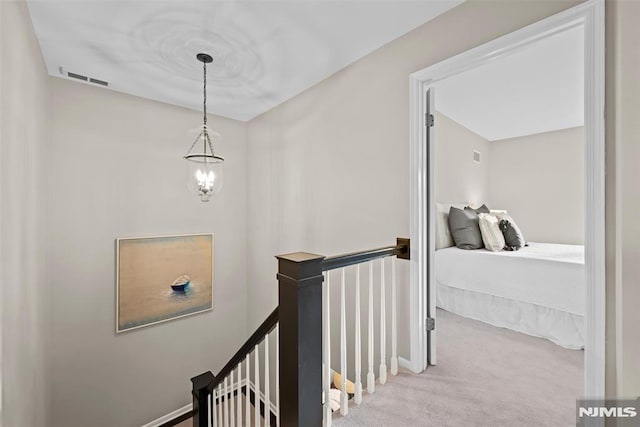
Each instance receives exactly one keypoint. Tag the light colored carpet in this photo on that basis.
(486, 376)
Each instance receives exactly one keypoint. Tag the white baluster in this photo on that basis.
(358, 380)
(326, 345)
(267, 392)
(220, 405)
(247, 395)
(383, 326)
(394, 320)
(226, 402)
(371, 379)
(278, 375)
(232, 409)
(256, 385)
(239, 394)
(344, 398)
(214, 409)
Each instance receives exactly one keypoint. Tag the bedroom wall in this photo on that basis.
(458, 178)
(23, 186)
(116, 170)
(539, 179)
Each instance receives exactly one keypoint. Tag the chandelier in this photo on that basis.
(204, 168)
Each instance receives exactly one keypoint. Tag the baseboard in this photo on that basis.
(409, 365)
(170, 416)
(159, 422)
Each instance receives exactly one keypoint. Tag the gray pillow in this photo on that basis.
(481, 209)
(465, 228)
(513, 237)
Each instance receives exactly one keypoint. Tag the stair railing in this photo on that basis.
(371, 263)
(303, 365)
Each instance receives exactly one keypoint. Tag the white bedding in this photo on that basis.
(544, 274)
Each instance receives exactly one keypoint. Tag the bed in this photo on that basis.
(538, 290)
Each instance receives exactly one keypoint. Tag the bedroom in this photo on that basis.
(513, 149)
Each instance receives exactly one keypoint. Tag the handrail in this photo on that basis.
(401, 250)
(300, 354)
(255, 339)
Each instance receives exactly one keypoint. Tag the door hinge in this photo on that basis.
(428, 120)
(430, 324)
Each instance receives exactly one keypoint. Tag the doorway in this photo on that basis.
(589, 16)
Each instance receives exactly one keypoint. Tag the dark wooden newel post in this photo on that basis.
(300, 347)
(200, 394)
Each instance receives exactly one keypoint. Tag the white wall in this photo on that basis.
(539, 179)
(23, 188)
(116, 170)
(458, 178)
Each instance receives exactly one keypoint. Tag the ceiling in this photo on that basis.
(265, 52)
(537, 89)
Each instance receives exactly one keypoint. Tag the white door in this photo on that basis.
(430, 285)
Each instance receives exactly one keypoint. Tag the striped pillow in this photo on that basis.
(491, 234)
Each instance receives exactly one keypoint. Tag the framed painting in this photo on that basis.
(162, 278)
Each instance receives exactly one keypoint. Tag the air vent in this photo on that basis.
(83, 78)
(77, 76)
(476, 156)
(99, 82)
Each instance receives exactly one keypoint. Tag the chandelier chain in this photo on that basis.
(204, 133)
(204, 90)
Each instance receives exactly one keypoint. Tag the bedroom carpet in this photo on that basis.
(486, 376)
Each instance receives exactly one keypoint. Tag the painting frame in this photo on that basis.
(119, 241)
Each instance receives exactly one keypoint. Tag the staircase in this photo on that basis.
(303, 378)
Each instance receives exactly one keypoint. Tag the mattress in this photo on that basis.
(545, 274)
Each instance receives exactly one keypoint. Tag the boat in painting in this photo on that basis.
(181, 283)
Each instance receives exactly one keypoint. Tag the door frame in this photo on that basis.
(590, 15)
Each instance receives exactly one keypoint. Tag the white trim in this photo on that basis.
(430, 347)
(595, 254)
(175, 414)
(416, 225)
(407, 364)
(170, 416)
(591, 15)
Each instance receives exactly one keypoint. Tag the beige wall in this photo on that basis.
(458, 178)
(116, 170)
(23, 188)
(623, 198)
(539, 179)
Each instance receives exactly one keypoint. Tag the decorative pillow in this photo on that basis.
(464, 227)
(491, 235)
(443, 234)
(513, 237)
(481, 209)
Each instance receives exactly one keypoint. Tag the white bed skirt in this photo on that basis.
(560, 327)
